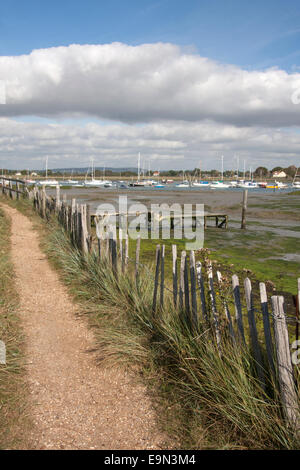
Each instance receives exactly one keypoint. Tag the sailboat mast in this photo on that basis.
(139, 164)
(222, 158)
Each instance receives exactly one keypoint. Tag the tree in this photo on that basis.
(261, 171)
(277, 168)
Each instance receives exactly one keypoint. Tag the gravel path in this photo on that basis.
(75, 403)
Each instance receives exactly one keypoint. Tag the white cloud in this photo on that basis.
(167, 145)
(145, 83)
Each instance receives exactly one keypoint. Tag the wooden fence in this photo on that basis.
(14, 188)
(198, 292)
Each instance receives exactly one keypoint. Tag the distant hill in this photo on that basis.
(97, 168)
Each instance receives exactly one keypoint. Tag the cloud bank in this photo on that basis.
(145, 83)
(165, 145)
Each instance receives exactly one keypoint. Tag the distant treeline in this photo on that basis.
(260, 172)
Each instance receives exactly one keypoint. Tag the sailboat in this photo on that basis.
(48, 182)
(93, 182)
(138, 183)
(220, 184)
(71, 181)
(200, 183)
(185, 183)
(296, 183)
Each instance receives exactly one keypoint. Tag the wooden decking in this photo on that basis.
(220, 220)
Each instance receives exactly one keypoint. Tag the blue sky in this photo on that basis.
(252, 34)
(220, 83)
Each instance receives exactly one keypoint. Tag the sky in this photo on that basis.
(181, 82)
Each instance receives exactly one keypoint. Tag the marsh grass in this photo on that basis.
(13, 391)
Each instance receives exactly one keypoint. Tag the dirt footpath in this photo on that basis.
(74, 403)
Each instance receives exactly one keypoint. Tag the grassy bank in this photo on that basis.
(204, 400)
(12, 384)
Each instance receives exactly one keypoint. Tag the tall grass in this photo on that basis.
(12, 385)
(206, 400)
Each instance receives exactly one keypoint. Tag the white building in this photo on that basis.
(279, 174)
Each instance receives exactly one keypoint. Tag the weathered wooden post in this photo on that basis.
(126, 257)
(121, 254)
(137, 260)
(162, 276)
(253, 332)
(174, 272)
(157, 259)
(266, 323)
(193, 289)
(238, 307)
(44, 201)
(181, 280)
(244, 209)
(285, 369)
(84, 230)
(298, 310)
(226, 309)
(201, 289)
(57, 200)
(113, 253)
(73, 222)
(213, 303)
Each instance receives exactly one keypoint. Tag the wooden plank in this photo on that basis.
(284, 364)
(238, 307)
(157, 265)
(126, 258)
(253, 331)
(244, 209)
(57, 199)
(181, 280)
(193, 289)
(137, 259)
(226, 309)
(113, 243)
(298, 310)
(266, 323)
(44, 202)
(175, 274)
(213, 303)
(121, 254)
(186, 288)
(84, 230)
(201, 290)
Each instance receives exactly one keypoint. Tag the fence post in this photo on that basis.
(126, 258)
(181, 279)
(83, 230)
(238, 307)
(44, 201)
(201, 289)
(226, 309)
(162, 276)
(157, 258)
(193, 289)
(57, 200)
(284, 364)
(213, 303)
(266, 322)
(253, 331)
(244, 209)
(175, 274)
(137, 260)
